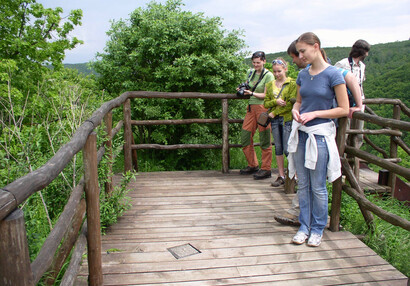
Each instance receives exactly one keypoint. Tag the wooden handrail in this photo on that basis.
(27, 185)
(179, 95)
(403, 107)
(388, 162)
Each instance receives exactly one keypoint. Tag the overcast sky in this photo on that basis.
(269, 25)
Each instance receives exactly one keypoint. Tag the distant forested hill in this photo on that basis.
(82, 68)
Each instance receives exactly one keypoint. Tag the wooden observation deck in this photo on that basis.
(197, 227)
(208, 228)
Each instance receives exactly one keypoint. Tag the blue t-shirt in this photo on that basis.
(317, 91)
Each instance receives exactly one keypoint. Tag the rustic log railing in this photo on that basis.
(15, 266)
(128, 147)
(394, 128)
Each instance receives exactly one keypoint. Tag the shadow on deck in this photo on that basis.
(229, 219)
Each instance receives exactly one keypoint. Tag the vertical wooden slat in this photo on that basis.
(127, 136)
(93, 210)
(225, 137)
(134, 155)
(351, 178)
(15, 266)
(337, 185)
(67, 244)
(393, 149)
(108, 147)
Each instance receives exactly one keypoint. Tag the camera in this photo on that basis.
(242, 87)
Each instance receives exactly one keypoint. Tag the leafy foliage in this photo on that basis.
(31, 35)
(113, 205)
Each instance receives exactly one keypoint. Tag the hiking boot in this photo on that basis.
(287, 219)
(279, 182)
(262, 174)
(249, 170)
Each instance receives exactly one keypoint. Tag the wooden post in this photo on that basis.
(127, 136)
(92, 196)
(15, 266)
(338, 184)
(225, 137)
(351, 178)
(354, 142)
(108, 145)
(393, 149)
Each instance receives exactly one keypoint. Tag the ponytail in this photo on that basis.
(322, 51)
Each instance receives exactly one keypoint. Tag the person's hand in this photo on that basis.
(306, 117)
(352, 110)
(280, 102)
(271, 115)
(296, 115)
(247, 92)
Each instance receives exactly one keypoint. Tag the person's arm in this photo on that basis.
(268, 101)
(296, 106)
(354, 87)
(289, 93)
(340, 111)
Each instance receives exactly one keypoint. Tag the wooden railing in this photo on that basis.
(390, 127)
(70, 232)
(130, 159)
(15, 266)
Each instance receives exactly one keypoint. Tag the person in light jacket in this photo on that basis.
(279, 94)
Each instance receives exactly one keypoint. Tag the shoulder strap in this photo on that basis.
(249, 75)
(263, 73)
(280, 92)
(350, 59)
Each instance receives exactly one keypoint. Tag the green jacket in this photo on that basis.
(289, 91)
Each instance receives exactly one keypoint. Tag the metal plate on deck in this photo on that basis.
(184, 250)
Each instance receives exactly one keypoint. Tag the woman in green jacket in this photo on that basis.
(278, 99)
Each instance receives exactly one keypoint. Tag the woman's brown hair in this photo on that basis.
(311, 39)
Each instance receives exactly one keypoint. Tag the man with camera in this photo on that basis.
(254, 87)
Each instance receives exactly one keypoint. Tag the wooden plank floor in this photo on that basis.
(229, 219)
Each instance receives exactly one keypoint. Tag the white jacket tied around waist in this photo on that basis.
(328, 130)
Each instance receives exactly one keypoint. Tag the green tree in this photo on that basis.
(163, 48)
(32, 37)
(30, 33)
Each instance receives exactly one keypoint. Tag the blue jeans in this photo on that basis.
(281, 132)
(312, 191)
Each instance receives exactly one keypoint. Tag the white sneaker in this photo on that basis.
(314, 240)
(300, 237)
